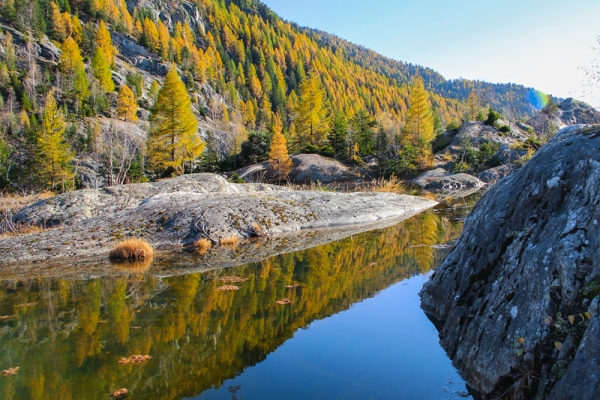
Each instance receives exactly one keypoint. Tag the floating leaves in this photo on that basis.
(588, 315)
(558, 345)
(571, 319)
(548, 320)
(232, 279)
(10, 371)
(283, 301)
(520, 339)
(120, 393)
(135, 359)
(291, 286)
(226, 288)
(2, 317)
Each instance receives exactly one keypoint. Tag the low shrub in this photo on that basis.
(131, 250)
(202, 245)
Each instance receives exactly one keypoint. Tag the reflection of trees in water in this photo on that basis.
(67, 336)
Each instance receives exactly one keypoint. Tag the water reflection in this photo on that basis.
(67, 336)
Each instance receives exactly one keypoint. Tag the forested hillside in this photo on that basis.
(84, 87)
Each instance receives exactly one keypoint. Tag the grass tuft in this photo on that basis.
(202, 245)
(392, 185)
(131, 250)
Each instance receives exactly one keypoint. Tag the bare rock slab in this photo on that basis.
(176, 212)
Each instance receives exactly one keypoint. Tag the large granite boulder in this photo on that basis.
(306, 168)
(516, 302)
(439, 181)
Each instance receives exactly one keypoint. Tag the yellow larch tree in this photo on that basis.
(70, 56)
(172, 123)
(419, 121)
(472, 106)
(55, 156)
(280, 163)
(101, 69)
(127, 105)
(311, 123)
(104, 41)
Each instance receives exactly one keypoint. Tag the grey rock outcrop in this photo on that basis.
(176, 212)
(439, 181)
(305, 168)
(573, 112)
(516, 302)
(568, 112)
(493, 175)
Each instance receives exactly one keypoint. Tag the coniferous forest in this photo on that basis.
(142, 90)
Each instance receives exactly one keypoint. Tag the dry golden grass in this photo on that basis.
(14, 202)
(10, 204)
(230, 242)
(392, 185)
(202, 245)
(131, 250)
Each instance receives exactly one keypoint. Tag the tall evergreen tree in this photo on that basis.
(210, 157)
(171, 120)
(363, 125)
(338, 135)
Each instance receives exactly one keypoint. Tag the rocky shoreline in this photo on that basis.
(516, 302)
(172, 214)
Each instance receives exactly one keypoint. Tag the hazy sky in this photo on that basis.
(540, 44)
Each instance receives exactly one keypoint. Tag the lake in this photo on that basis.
(338, 321)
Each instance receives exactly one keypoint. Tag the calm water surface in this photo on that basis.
(353, 330)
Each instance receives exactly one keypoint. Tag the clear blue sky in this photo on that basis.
(541, 44)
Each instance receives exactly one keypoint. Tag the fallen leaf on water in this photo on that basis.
(232, 279)
(10, 371)
(120, 393)
(548, 320)
(5, 316)
(226, 288)
(521, 340)
(136, 327)
(588, 315)
(136, 359)
(284, 301)
(558, 345)
(571, 319)
(291, 286)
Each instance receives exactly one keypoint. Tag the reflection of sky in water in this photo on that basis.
(382, 348)
(366, 336)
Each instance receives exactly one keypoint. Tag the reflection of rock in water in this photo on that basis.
(78, 330)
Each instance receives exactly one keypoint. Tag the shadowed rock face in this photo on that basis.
(527, 260)
(176, 212)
